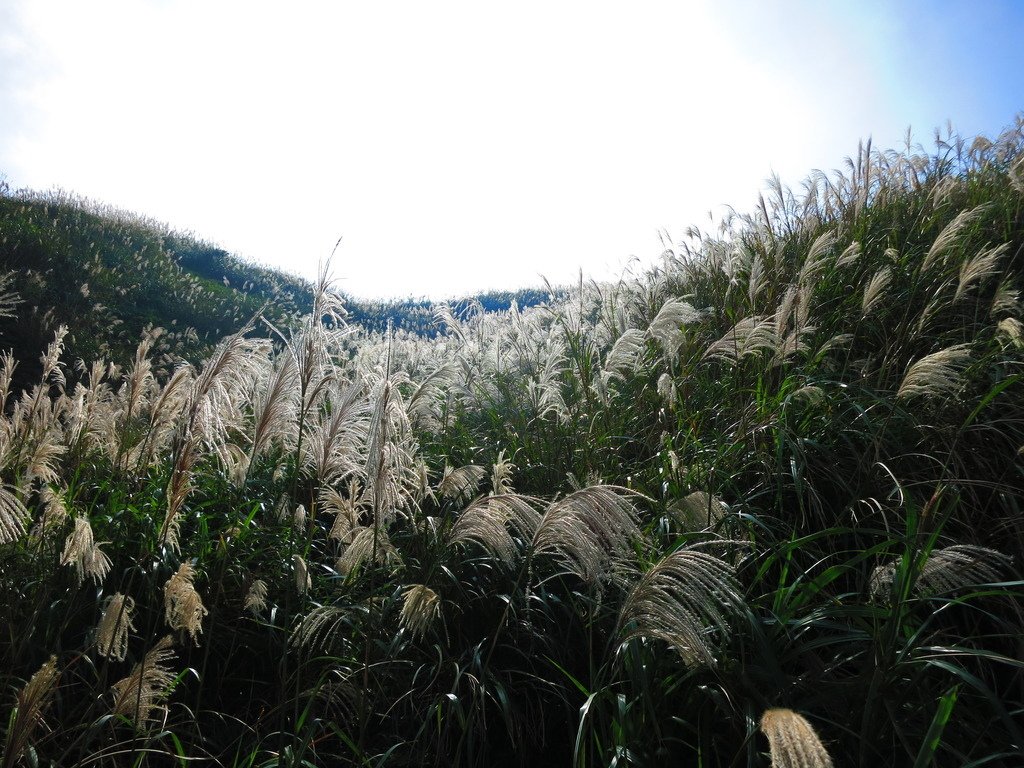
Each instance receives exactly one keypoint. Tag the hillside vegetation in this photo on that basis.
(114, 278)
(760, 505)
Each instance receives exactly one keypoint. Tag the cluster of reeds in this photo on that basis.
(776, 480)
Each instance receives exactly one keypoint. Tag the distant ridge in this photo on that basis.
(112, 276)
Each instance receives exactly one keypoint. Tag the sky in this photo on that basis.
(455, 147)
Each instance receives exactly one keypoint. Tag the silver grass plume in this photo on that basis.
(939, 374)
(166, 407)
(55, 513)
(30, 706)
(667, 326)
(496, 523)
(303, 582)
(875, 290)
(667, 391)
(424, 402)
(274, 408)
(318, 628)
(1016, 175)
(1013, 330)
(461, 484)
(139, 695)
(256, 597)
(183, 607)
(7, 366)
(501, 475)
(849, 256)
(115, 623)
(685, 600)
(420, 607)
(698, 511)
(590, 531)
(335, 439)
(792, 741)
(749, 337)
(951, 569)
(8, 299)
(211, 394)
(950, 234)
(1006, 300)
(816, 257)
(625, 354)
(345, 509)
(12, 516)
(365, 542)
(980, 267)
(82, 552)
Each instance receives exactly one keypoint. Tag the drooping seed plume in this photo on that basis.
(792, 741)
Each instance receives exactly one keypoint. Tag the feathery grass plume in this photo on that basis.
(750, 336)
(183, 607)
(345, 509)
(980, 267)
(1006, 300)
(817, 257)
(166, 407)
(667, 326)
(625, 353)
(756, 280)
(318, 628)
(420, 607)
(875, 290)
(501, 475)
(792, 741)
(666, 388)
(949, 235)
(81, 551)
(461, 484)
(1016, 175)
(1012, 329)
(138, 696)
(55, 513)
(939, 374)
(256, 597)
(299, 517)
(30, 705)
(7, 366)
(115, 623)
(684, 600)
(274, 407)
(590, 531)
(12, 516)
(698, 511)
(362, 548)
(495, 523)
(424, 403)
(212, 394)
(849, 256)
(338, 433)
(951, 569)
(303, 582)
(8, 299)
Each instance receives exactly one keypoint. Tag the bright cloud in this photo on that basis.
(463, 146)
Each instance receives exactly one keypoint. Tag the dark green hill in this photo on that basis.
(112, 277)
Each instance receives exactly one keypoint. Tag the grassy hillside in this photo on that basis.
(761, 505)
(113, 277)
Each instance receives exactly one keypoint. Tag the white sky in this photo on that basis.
(463, 146)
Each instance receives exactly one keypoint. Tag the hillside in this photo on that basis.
(760, 506)
(112, 277)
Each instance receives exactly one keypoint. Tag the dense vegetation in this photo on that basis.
(772, 485)
(113, 277)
